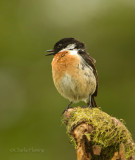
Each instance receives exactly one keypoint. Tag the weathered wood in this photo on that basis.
(98, 136)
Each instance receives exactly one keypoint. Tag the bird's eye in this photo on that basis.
(71, 49)
(59, 45)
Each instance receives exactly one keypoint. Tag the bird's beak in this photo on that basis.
(52, 52)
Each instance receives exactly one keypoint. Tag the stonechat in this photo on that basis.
(74, 73)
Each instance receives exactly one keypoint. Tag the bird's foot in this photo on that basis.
(88, 106)
(69, 106)
(85, 106)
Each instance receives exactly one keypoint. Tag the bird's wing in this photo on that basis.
(91, 62)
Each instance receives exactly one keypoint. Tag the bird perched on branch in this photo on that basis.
(74, 72)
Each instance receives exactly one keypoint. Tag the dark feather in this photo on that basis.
(91, 62)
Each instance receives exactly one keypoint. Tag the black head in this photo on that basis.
(66, 43)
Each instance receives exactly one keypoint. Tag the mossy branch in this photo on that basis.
(98, 136)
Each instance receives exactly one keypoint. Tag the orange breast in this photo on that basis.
(64, 62)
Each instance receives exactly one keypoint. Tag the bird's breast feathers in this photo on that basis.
(65, 61)
(72, 77)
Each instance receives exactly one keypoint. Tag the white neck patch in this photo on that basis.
(70, 46)
(71, 49)
(74, 52)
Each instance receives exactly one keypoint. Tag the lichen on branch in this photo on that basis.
(97, 135)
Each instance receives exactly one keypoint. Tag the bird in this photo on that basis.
(74, 72)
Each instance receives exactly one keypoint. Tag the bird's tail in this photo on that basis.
(93, 102)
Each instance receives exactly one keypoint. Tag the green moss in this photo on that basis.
(108, 131)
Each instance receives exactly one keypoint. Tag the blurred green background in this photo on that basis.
(30, 106)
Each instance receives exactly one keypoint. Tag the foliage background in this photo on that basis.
(30, 106)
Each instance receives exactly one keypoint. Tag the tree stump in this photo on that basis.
(98, 136)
